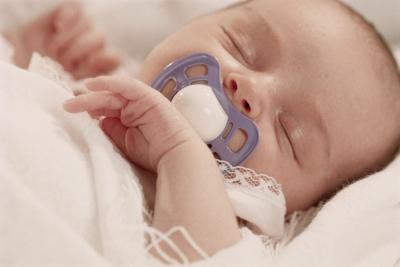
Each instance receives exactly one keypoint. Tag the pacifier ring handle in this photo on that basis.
(205, 69)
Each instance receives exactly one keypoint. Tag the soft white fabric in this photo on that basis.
(6, 50)
(256, 198)
(364, 218)
(63, 186)
(67, 198)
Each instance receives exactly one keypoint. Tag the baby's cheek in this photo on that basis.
(267, 157)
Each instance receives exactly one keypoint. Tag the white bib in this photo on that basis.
(256, 198)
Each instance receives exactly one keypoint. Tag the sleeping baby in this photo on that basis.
(316, 81)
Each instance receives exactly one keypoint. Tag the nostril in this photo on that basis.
(246, 106)
(234, 85)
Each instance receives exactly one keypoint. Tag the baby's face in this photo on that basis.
(298, 70)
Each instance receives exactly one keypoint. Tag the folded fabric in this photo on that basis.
(256, 198)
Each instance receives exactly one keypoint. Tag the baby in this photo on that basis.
(314, 76)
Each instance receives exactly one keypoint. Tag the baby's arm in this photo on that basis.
(190, 193)
(152, 133)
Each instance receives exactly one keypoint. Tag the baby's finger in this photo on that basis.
(137, 147)
(105, 60)
(98, 63)
(92, 102)
(129, 88)
(85, 44)
(104, 112)
(67, 15)
(62, 40)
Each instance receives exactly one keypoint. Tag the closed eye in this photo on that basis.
(288, 139)
(234, 44)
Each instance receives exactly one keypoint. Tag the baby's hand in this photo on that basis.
(138, 119)
(67, 35)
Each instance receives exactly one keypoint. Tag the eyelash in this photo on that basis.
(235, 45)
(287, 136)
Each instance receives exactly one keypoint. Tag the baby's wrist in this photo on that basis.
(183, 153)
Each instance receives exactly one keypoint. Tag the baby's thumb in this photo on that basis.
(113, 128)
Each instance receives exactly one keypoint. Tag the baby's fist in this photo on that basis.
(139, 120)
(76, 44)
(68, 36)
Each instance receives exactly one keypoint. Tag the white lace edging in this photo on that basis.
(248, 178)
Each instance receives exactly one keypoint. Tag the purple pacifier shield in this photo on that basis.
(177, 71)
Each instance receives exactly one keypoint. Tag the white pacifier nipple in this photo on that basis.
(199, 105)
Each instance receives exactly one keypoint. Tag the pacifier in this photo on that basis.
(193, 86)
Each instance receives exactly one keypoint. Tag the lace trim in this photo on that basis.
(248, 178)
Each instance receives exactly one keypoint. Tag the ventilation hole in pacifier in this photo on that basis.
(216, 155)
(227, 130)
(238, 140)
(168, 88)
(196, 70)
(200, 82)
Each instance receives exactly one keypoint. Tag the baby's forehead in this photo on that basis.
(333, 43)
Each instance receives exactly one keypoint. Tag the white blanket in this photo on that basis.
(65, 195)
(67, 198)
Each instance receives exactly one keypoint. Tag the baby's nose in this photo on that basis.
(242, 91)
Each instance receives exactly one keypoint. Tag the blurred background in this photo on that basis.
(135, 26)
